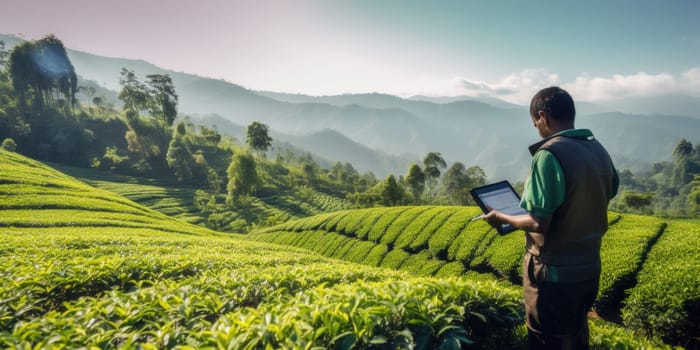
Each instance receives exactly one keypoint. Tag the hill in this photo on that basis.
(35, 196)
(177, 200)
(87, 268)
(326, 146)
(441, 241)
(488, 133)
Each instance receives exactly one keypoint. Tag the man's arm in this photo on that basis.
(527, 222)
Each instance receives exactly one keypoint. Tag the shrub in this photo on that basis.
(9, 145)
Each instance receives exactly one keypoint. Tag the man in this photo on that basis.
(571, 181)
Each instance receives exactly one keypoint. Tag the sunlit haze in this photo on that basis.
(597, 49)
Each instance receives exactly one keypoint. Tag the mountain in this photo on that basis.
(497, 102)
(670, 104)
(475, 131)
(326, 146)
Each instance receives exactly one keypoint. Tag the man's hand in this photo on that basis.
(494, 218)
(526, 222)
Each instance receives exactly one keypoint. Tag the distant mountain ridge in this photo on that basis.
(490, 133)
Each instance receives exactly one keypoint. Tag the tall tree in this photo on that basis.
(179, 156)
(43, 69)
(4, 54)
(162, 101)
(391, 193)
(309, 172)
(258, 137)
(694, 196)
(134, 94)
(242, 176)
(415, 179)
(432, 163)
(682, 163)
(455, 183)
(458, 180)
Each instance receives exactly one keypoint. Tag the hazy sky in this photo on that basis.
(508, 49)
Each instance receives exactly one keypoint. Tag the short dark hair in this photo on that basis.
(555, 102)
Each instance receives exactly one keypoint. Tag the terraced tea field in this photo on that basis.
(85, 268)
(653, 260)
(177, 200)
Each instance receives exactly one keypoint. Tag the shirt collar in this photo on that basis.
(583, 134)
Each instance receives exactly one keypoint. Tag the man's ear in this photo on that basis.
(542, 115)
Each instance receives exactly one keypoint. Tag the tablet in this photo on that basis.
(499, 196)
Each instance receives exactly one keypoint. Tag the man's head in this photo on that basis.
(552, 110)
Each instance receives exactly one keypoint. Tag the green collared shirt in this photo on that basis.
(545, 188)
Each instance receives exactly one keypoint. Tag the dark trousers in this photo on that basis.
(555, 312)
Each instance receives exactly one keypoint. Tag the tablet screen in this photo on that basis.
(499, 196)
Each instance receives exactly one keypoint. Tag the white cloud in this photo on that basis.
(691, 81)
(519, 87)
(516, 87)
(620, 86)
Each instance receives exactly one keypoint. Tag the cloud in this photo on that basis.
(516, 87)
(621, 86)
(484, 88)
(519, 87)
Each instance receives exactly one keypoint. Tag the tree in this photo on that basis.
(390, 192)
(4, 54)
(179, 156)
(242, 177)
(43, 69)
(415, 179)
(458, 180)
(258, 138)
(682, 164)
(309, 172)
(637, 200)
(214, 180)
(694, 196)
(134, 94)
(89, 91)
(9, 145)
(455, 183)
(432, 163)
(162, 102)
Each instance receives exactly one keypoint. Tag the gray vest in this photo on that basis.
(572, 243)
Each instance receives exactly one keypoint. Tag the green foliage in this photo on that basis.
(636, 200)
(694, 196)
(179, 158)
(383, 223)
(664, 189)
(399, 224)
(420, 241)
(666, 300)
(41, 68)
(390, 192)
(258, 138)
(171, 284)
(432, 163)
(458, 180)
(443, 238)
(606, 336)
(9, 145)
(440, 241)
(242, 176)
(622, 252)
(90, 268)
(415, 179)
